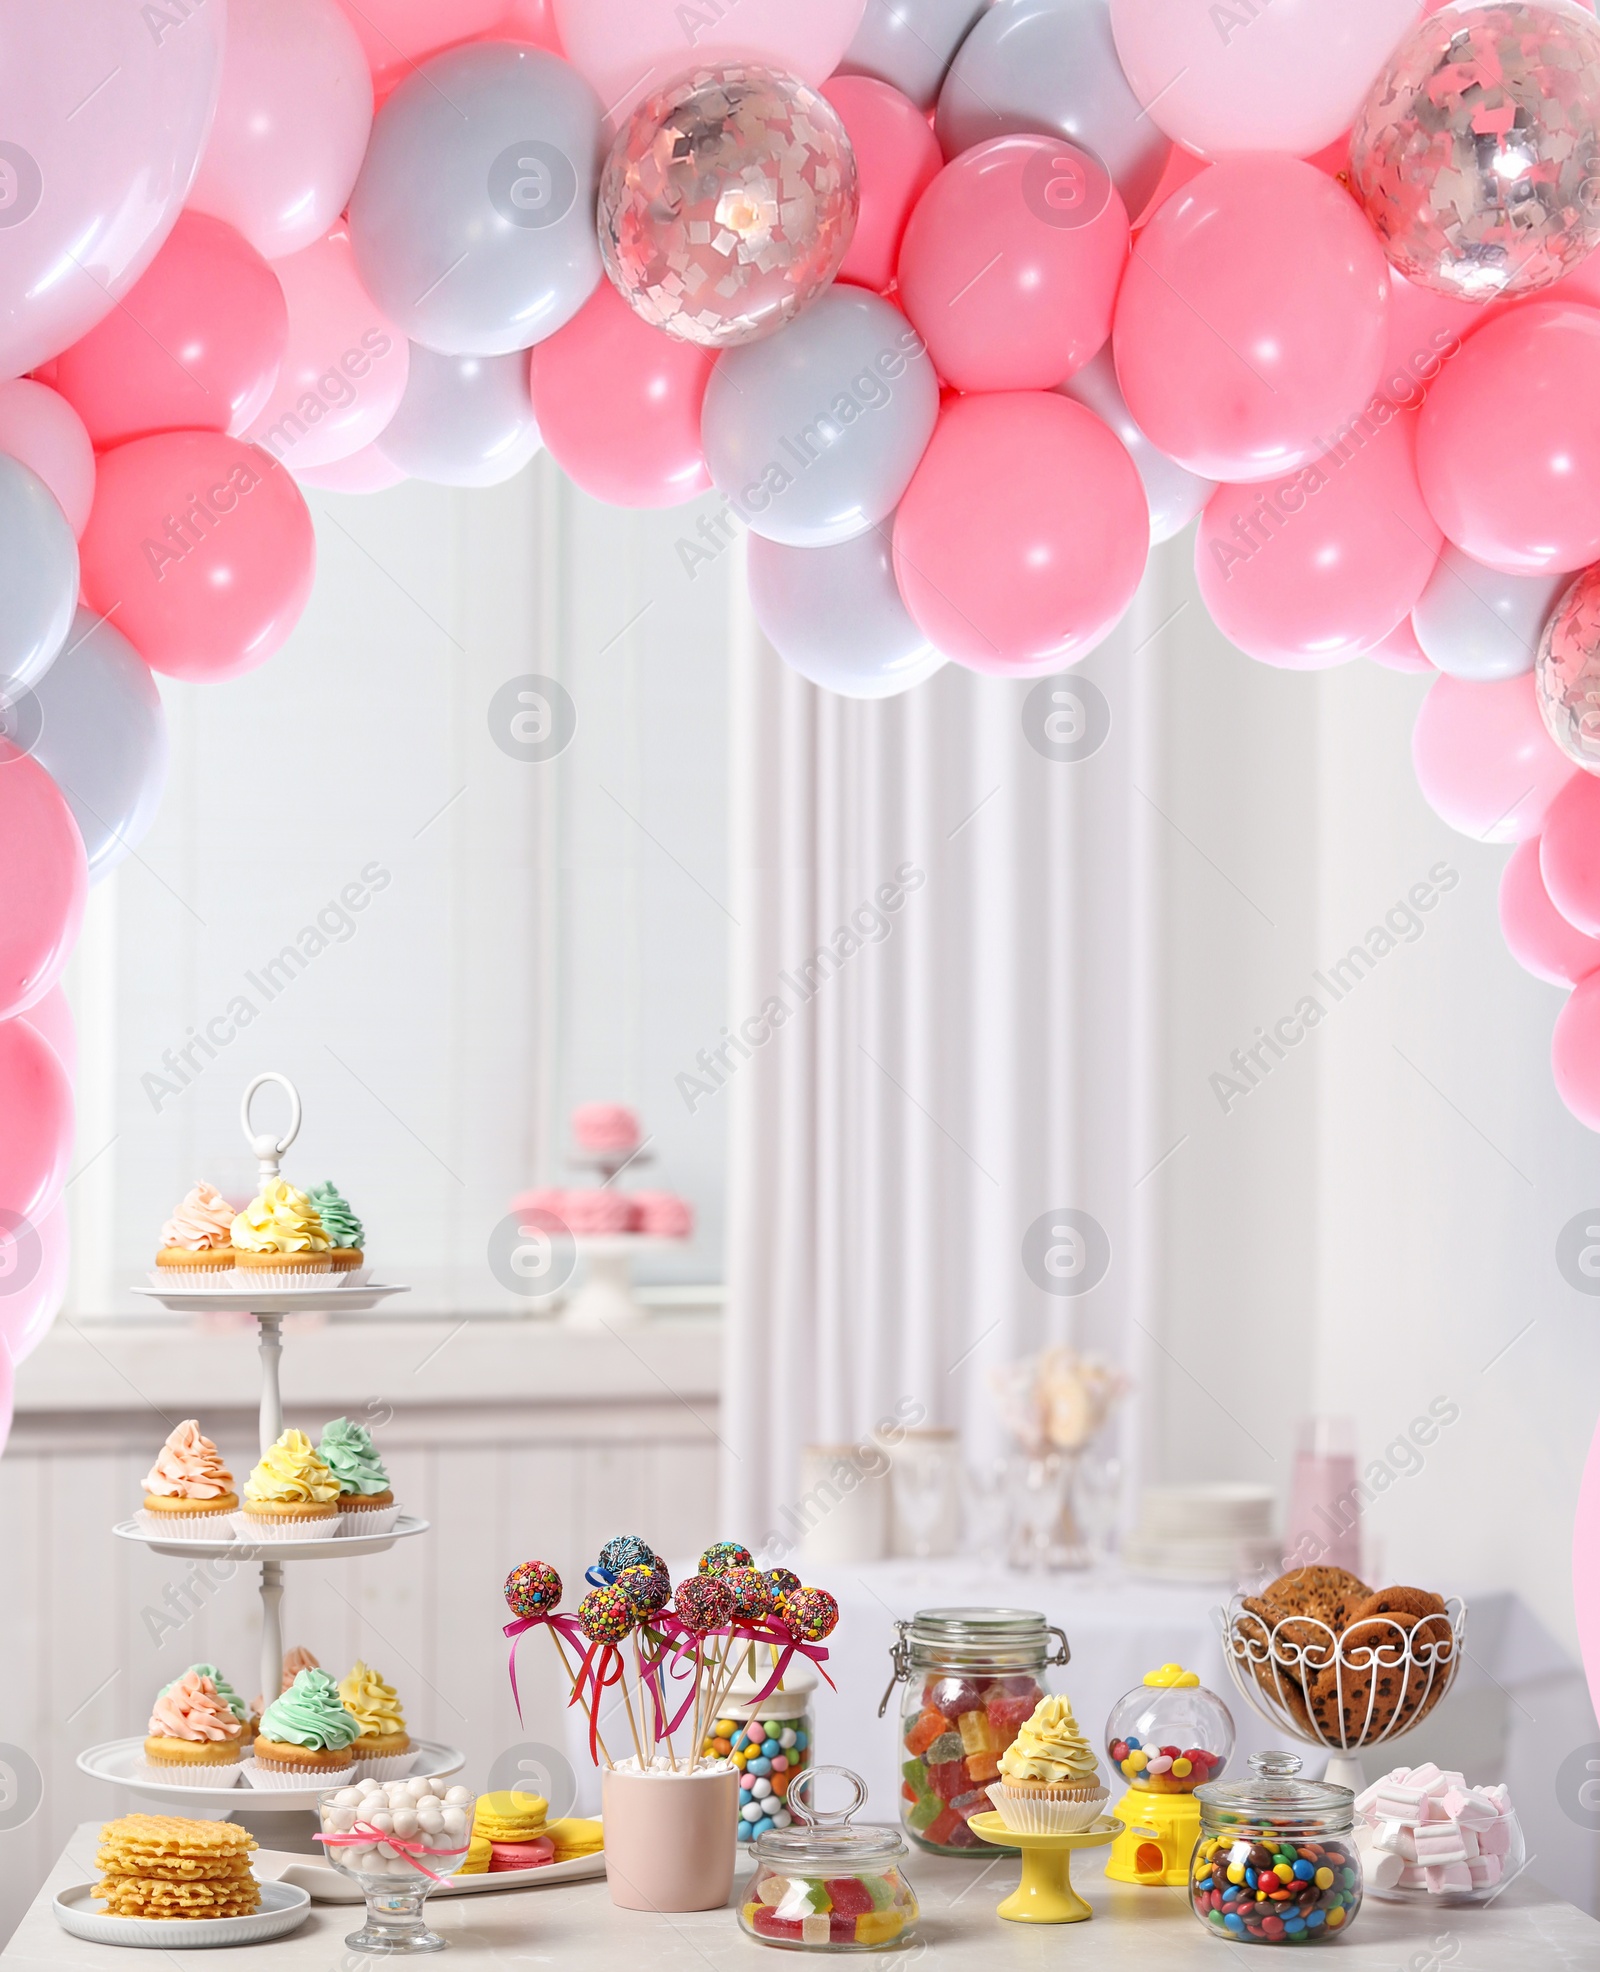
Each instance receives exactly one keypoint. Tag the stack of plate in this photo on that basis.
(1204, 1533)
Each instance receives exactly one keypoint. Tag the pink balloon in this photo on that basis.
(39, 427)
(292, 121)
(345, 369)
(1483, 759)
(34, 1259)
(897, 159)
(618, 405)
(195, 345)
(529, 20)
(46, 883)
(1539, 937)
(627, 48)
(1426, 332)
(1182, 168)
(1575, 1052)
(52, 1017)
(1010, 263)
(1252, 319)
(35, 1123)
(366, 471)
(1509, 449)
(106, 108)
(1569, 853)
(398, 34)
(1400, 651)
(202, 548)
(1023, 534)
(1316, 568)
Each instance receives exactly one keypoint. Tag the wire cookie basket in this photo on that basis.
(1343, 1690)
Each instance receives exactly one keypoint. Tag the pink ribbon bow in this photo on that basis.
(364, 1835)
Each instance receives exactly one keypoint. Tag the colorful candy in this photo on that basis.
(625, 1551)
(752, 1599)
(811, 1614)
(768, 1753)
(1164, 1769)
(1264, 1887)
(533, 1589)
(953, 1747)
(834, 1910)
(605, 1615)
(723, 1555)
(703, 1603)
(780, 1582)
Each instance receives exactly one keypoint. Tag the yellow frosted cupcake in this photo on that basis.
(278, 1240)
(1049, 1777)
(198, 1238)
(383, 1752)
(291, 1495)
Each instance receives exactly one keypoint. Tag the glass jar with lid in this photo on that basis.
(1276, 1862)
(971, 1677)
(822, 1885)
(769, 1739)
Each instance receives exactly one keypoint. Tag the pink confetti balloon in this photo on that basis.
(1474, 156)
(728, 201)
(1566, 672)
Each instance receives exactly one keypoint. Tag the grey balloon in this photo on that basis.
(472, 221)
(464, 420)
(814, 433)
(1476, 623)
(38, 577)
(835, 615)
(1051, 66)
(910, 43)
(1175, 494)
(95, 723)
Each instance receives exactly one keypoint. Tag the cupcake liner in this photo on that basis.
(256, 1531)
(361, 1520)
(285, 1276)
(188, 1526)
(1046, 1814)
(186, 1279)
(177, 1773)
(392, 1766)
(270, 1777)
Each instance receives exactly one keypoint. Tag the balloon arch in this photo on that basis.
(958, 306)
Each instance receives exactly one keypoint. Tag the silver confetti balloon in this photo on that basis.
(727, 203)
(1477, 155)
(1566, 673)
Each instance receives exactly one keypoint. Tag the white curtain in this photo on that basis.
(982, 1059)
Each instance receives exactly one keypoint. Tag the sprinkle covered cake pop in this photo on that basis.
(703, 1603)
(752, 1598)
(723, 1555)
(811, 1613)
(533, 1588)
(625, 1551)
(605, 1614)
(648, 1589)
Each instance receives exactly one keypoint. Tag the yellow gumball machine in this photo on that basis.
(1164, 1737)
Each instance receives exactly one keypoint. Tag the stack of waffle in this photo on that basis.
(159, 1866)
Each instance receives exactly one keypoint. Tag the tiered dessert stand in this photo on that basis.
(122, 1761)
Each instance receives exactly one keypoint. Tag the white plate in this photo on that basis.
(274, 1300)
(327, 1886)
(122, 1762)
(284, 1908)
(331, 1547)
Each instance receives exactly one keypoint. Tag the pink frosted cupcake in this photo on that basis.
(597, 1212)
(188, 1492)
(605, 1129)
(198, 1238)
(662, 1214)
(194, 1738)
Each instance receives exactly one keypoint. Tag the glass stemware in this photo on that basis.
(397, 1839)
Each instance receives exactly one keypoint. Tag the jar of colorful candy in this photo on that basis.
(821, 1885)
(768, 1740)
(971, 1677)
(1277, 1862)
(1169, 1734)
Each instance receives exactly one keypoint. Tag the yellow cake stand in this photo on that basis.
(1045, 1895)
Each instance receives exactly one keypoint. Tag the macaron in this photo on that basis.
(521, 1855)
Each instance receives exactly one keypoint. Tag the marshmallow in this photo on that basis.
(1384, 1871)
(1495, 1840)
(1500, 1794)
(1439, 1842)
(1412, 1877)
(1427, 1779)
(1448, 1876)
(1485, 1870)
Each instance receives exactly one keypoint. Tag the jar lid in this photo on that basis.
(1172, 1677)
(823, 1843)
(1272, 1793)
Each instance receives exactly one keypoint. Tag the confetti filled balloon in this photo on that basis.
(626, 1551)
(1566, 673)
(723, 1555)
(647, 1586)
(728, 201)
(702, 1603)
(606, 1615)
(810, 1613)
(1475, 155)
(752, 1598)
(534, 1589)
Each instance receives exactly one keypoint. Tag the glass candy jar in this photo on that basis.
(1276, 1862)
(769, 1740)
(971, 1677)
(821, 1885)
(1164, 1738)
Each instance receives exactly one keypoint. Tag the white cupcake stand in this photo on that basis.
(121, 1761)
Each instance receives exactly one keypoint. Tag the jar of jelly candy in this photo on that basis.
(971, 1677)
(1276, 1862)
(769, 1740)
(821, 1885)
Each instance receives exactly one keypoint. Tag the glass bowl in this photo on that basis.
(397, 1839)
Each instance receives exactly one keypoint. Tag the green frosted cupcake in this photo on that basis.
(344, 1229)
(364, 1490)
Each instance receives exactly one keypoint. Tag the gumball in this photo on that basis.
(704, 1602)
(781, 1582)
(533, 1589)
(1566, 672)
(605, 1615)
(810, 1613)
(625, 1551)
(727, 203)
(752, 1598)
(647, 1587)
(1474, 153)
(723, 1555)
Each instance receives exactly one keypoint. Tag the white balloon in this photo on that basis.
(834, 615)
(910, 44)
(1175, 494)
(463, 421)
(1476, 623)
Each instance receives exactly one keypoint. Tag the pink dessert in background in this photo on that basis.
(597, 1211)
(543, 1198)
(604, 1127)
(662, 1214)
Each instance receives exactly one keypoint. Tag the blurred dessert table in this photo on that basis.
(1525, 1930)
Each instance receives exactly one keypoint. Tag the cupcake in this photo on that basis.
(383, 1752)
(1049, 1778)
(198, 1238)
(189, 1491)
(306, 1737)
(595, 1210)
(295, 1660)
(341, 1225)
(278, 1238)
(195, 1739)
(662, 1214)
(365, 1497)
(225, 1691)
(605, 1129)
(290, 1495)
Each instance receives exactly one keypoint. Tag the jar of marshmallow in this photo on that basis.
(398, 1839)
(1427, 1837)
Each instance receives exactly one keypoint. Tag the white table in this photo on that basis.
(1524, 1930)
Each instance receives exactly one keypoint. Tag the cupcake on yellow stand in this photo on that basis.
(1049, 1800)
